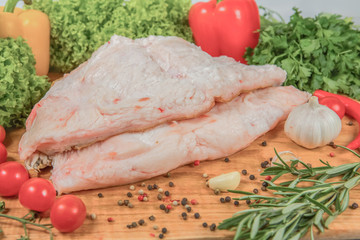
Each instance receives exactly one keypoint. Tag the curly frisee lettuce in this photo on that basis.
(78, 28)
(20, 87)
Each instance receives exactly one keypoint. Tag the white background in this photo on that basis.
(309, 8)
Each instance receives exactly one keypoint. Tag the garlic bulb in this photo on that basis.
(312, 125)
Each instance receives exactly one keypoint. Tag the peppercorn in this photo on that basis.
(143, 184)
(92, 216)
(152, 218)
(100, 195)
(161, 235)
(332, 154)
(167, 193)
(252, 177)
(155, 227)
(128, 226)
(222, 200)
(265, 184)
(164, 230)
(167, 210)
(263, 143)
(168, 174)
(162, 207)
(205, 224)
(184, 215)
(141, 197)
(141, 192)
(169, 206)
(226, 159)
(141, 222)
(227, 199)
(149, 187)
(130, 205)
(160, 190)
(120, 203)
(217, 191)
(248, 201)
(184, 201)
(268, 178)
(213, 227)
(263, 165)
(236, 203)
(155, 186)
(159, 196)
(205, 175)
(197, 215)
(129, 194)
(175, 203)
(244, 172)
(193, 202)
(110, 219)
(255, 191)
(134, 224)
(350, 123)
(263, 188)
(188, 209)
(126, 202)
(354, 206)
(132, 187)
(171, 184)
(196, 163)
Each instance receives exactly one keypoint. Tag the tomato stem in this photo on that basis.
(25, 222)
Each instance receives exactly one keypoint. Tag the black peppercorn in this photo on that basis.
(252, 177)
(222, 200)
(236, 203)
(205, 224)
(152, 218)
(213, 227)
(263, 188)
(100, 195)
(149, 187)
(159, 196)
(126, 202)
(141, 222)
(155, 186)
(133, 224)
(244, 172)
(188, 209)
(162, 207)
(197, 215)
(227, 199)
(265, 184)
(171, 184)
(167, 210)
(354, 206)
(226, 159)
(163, 230)
(129, 194)
(161, 236)
(184, 215)
(248, 201)
(184, 201)
(128, 226)
(255, 191)
(263, 143)
(167, 193)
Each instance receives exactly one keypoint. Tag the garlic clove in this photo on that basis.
(224, 182)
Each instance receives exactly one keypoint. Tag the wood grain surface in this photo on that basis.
(190, 183)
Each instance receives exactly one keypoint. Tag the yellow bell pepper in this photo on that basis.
(33, 26)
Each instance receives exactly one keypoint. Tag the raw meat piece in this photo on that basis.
(131, 85)
(130, 157)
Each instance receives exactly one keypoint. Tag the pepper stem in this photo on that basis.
(10, 5)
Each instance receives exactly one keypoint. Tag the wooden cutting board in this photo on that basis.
(190, 183)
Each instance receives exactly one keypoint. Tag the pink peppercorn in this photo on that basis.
(332, 154)
(141, 197)
(110, 219)
(169, 206)
(268, 178)
(197, 163)
(193, 202)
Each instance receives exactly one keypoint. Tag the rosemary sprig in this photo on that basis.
(294, 210)
(28, 219)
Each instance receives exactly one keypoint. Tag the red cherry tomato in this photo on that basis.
(37, 194)
(334, 104)
(3, 153)
(2, 134)
(68, 213)
(12, 176)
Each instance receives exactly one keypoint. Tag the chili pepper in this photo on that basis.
(33, 26)
(352, 109)
(225, 28)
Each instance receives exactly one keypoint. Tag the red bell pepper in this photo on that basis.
(225, 28)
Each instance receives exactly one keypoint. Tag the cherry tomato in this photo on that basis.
(2, 134)
(68, 213)
(3, 153)
(37, 194)
(12, 176)
(334, 104)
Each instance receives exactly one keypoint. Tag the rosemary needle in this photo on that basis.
(292, 211)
